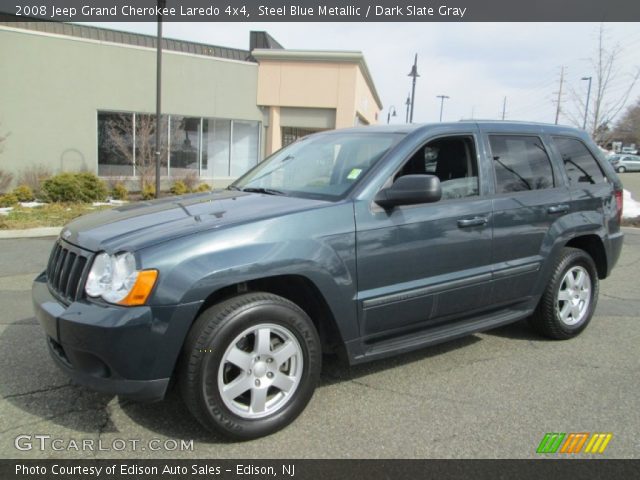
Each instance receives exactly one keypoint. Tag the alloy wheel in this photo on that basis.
(574, 296)
(260, 371)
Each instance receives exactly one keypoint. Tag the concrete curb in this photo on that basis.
(30, 233)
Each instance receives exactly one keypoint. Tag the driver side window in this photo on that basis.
(453, 160)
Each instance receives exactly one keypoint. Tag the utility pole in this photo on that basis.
(559, 94)
(408, 104)
(504, 107)
(414, 74)
(586, 108)
(442, 98)
(161, 4)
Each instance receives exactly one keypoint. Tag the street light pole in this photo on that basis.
(408, 104)
(414, 74)
(586, 108)
(161, 4)
(442, 98)
(390, 114)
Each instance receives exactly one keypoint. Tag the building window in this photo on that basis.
(145, 142)
(291, 134)
(216, 144)
(245, 140)
(115, 144)
(184, 149)
(210, 147)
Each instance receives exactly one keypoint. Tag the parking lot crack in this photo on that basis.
(619, 298)
(48, 418)
(52, 388)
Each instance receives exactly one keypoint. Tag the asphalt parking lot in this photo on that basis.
(491, 395)
(631, 181)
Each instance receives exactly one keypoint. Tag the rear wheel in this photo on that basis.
(250, 365)
(568, 303)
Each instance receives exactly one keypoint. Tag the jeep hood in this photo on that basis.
(139, 225)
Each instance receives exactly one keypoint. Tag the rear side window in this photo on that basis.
(521, 163)
(578, 161)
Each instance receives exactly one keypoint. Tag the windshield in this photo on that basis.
(323, 166)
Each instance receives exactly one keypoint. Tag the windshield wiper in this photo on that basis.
(268, 191)
(233, 187)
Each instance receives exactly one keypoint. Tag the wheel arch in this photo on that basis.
(592, 244)
(297, 289)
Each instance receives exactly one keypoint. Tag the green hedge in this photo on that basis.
(74, 187)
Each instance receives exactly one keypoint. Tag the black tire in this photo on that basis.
(621, 169)
(214, 332)
(546, 319)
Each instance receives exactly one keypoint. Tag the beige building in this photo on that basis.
(76, 97)
(306, 91)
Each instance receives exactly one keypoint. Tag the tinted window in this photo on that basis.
(580, 165)
(453, 160)
(521, 163)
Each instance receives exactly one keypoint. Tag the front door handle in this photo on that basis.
(472, 222)
(558, 209)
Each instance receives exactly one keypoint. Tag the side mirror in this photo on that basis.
(410, 190)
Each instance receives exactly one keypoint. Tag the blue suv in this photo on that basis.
(367, 242)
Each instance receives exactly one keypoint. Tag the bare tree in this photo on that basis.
(120, 134)
(606, 102)
(627, 129)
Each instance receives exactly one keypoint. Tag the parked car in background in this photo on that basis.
(625, 163)
(629, 150)
(364, 242)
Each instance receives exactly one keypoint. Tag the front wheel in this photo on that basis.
(568, 303)
(621, 169)
(250, 365)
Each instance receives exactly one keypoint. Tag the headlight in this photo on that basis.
(116, 280)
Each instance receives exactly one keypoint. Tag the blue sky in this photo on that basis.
(476, 64)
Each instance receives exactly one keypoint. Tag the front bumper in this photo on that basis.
(127, 351)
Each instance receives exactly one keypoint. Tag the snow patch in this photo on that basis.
(630, 207)
(109, 202)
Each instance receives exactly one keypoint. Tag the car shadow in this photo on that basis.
(31, 383)
(517, 331)
(335, 369)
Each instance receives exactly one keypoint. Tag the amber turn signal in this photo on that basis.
(141, 289)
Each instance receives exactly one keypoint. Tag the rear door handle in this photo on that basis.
(558, 209)
(472, 222)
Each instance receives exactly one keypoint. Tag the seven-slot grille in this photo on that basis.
(66, 270)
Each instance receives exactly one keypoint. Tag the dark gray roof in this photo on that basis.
(261, 39)
(127, 38)
(502, 125)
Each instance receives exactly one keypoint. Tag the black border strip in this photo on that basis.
(329, 10)
(334, 469)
